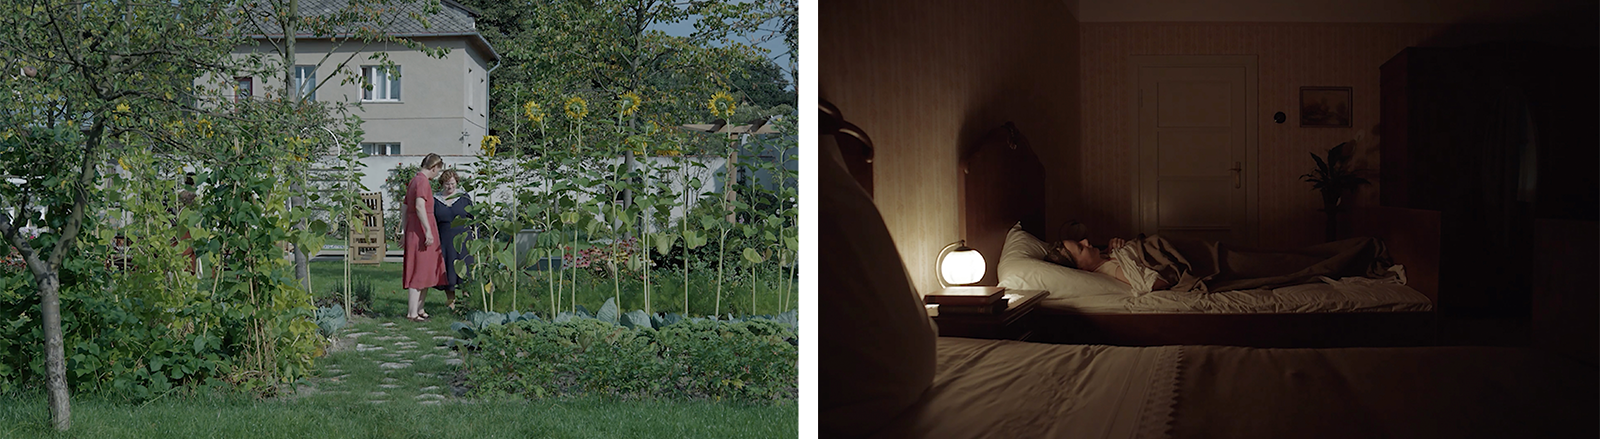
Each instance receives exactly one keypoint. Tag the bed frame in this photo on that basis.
(1002, 182)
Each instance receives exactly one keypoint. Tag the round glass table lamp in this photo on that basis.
(959, 264)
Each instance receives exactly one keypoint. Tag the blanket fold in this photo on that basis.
(1211, 266)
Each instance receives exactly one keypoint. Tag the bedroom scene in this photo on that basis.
(1153, 218)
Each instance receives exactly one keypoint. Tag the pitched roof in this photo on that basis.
(453, 19)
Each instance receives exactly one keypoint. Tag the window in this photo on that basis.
(381, 148)
(242, 88)
(385, 84)
(305, 81)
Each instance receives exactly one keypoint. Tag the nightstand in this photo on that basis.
(1013, 324)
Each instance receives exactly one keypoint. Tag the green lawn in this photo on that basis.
(26, 416)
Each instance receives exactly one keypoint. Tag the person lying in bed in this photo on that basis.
(1083, 256)
(1151, 263)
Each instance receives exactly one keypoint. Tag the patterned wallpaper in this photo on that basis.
(925, 78)
(1290, 55)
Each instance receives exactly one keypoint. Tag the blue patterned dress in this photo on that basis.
(454, 245)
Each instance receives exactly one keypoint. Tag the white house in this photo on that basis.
(423, 105)
(433, 105)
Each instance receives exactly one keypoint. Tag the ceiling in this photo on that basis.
(1327, 11)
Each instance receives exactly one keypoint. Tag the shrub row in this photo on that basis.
(752, 360)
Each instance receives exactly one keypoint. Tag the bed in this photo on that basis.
(1002, 184)
(883, 371)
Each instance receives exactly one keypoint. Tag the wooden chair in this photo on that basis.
(368, 246)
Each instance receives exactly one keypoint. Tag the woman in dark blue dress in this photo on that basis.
(449, 205)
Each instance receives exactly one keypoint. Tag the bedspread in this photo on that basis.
(1436, 392)
(1006, 389)
(1210, 266)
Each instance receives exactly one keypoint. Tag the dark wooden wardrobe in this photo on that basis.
(1495, 137)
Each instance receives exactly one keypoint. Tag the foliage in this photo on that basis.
(753, 360)
(329, 319)
(395, 188)
(761, 83)
(1334, 177)
(603, 50)
(136, 343)
(124, 96)
(602, 260)
(98, 79)
(360, 301)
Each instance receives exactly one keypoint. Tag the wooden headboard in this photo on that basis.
(853, 143)
(1001, 183)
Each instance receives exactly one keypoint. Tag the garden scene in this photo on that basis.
(202, 215)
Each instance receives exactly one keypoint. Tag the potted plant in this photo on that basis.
(1333, 178)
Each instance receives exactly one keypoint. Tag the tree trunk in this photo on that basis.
(302, 262)
(55, 353)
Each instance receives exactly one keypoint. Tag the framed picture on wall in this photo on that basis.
(1327, 107)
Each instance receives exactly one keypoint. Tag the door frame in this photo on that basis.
(1252, 154)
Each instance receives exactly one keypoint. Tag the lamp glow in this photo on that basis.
(962, 265)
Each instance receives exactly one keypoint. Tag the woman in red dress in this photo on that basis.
(423, 262)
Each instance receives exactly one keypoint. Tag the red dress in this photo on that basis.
(424, 266)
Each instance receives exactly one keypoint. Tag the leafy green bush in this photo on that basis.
(579, 354)
(361, 293)
(330, 319)
(128, 346)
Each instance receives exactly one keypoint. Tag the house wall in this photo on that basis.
(433, 115)
(925, 78)
(1290, 55)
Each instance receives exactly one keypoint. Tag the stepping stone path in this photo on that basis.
(388, 347)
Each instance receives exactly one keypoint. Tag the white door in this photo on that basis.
(1195, 172)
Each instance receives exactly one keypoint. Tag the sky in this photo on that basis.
(775, 47)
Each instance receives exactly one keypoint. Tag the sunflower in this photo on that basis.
(203, 126)
(533, 112)
(638, 145)
(721, 105)
(630, 102)
(489, 144)
(577, 108)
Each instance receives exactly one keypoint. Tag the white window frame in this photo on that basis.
(385, 88)
(301, 84)
(381, 148)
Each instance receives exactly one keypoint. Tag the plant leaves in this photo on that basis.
(636, 319)
(664, 241)
(693, 239)
(608, 311)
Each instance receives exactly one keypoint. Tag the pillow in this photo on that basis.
(876, 341)
(1021, 244)
(1022, 266)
